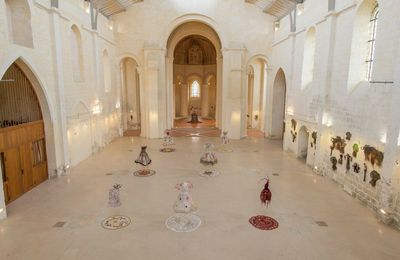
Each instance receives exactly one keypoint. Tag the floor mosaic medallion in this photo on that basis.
(264, 222)
(116, 222)
(144, 173)
(167, 150)
(183, 222)
(206, 173)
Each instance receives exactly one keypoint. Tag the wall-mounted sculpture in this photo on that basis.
(294, 124)
(340, 161)
(348, 136)
(349, 159)
(314, 140)
(338, 143)
(365, 172)
(356, 148)
(373, 155)
(356, 168)
(334, 163)
(294, 135)
(375, 176)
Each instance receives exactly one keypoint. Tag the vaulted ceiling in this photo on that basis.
(110, 7)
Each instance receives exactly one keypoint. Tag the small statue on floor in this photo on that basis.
(145, 161)
(266, 195)
(114, 199)
(225, 138)
(209, 159)
(185, 203)
(168, 140)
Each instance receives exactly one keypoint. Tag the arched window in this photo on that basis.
(363, 43)
(19, 22)
(372, 41)
(308, 58)
(195, 89)
(77, 53)
(106, 71)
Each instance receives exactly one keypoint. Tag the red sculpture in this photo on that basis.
(265, 195)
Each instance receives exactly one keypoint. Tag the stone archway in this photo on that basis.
(278, 106)
(196, 34)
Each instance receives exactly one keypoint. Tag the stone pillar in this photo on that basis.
(204, 100)
(184, 99)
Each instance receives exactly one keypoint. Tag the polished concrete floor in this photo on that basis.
(225, 202)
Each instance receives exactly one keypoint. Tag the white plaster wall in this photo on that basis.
(327, 106)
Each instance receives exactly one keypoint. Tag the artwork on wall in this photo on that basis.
(375, 176)
(340, 161)
(314, 140)
(356, 168)
(349, 159)
(365, 172)
(334, 163)
(373, 155)
(348, 136)
(338, 143)
(356, 148)
(293, 130)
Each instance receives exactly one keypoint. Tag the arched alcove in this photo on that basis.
(19, 22)
(77, 53)
(256, 95)
(24, 129)
(302, 143)
(131, 112)
(278, 105)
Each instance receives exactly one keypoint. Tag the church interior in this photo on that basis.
(199, 129)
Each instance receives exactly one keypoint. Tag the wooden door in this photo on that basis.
(25, 156)
(13, 174)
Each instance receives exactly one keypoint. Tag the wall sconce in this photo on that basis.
(290, 111)
(300, 9)
(86, 6)
(96, 109)
(383, 138)
(1, 210)
(110, 24)
(117, 105)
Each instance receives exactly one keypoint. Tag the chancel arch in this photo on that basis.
(194, 49)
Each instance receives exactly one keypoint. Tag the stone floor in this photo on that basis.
(226, 202)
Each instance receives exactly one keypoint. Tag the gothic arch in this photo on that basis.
(278, 105)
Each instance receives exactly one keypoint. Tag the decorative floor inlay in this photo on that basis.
(224, 150)
(60, 224)
(144, 173)
(264, 222)
(321, 223)
(116, 222)
(167, 150)
(209, 173)
(183, 222)
(275, 174)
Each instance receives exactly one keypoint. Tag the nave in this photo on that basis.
(301, 200)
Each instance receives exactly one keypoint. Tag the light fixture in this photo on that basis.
(300, 9)
(86, 6)
(1, 210)
(383, 211)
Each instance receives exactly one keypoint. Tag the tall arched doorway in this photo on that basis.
(22, 133)
(131, 113)
(256, 97)
(194, 76)
(278, 105)
(303, 143)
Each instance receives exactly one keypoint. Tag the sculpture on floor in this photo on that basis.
(194, 118)
(114, 199)
(184, 220)
(225, 138)
(167, 141)
(209, 159)
(144, 160)
(266, 195)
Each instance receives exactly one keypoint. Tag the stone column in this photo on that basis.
(204, 100)
(184, 99)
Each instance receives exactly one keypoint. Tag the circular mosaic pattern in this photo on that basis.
(183, 222)
(224, 149)
(144, 173)
(116, 222)
(209, 173)
(264, 222)
(167, 150)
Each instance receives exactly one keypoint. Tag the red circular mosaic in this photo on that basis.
(264, 222)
